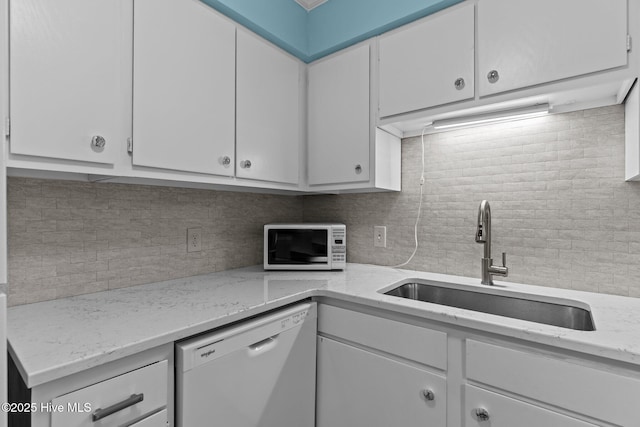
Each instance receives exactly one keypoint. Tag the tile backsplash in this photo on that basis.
(69, 238)
(560, 206)
(560, 209)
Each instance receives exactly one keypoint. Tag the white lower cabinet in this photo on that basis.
(377, 368)
(117, 401)
(484, 408)
(373, 371)
(159, 419)
(137, 390)
(359, 388)
(581, 390)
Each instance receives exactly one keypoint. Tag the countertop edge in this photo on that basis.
(37, 378)
(373, 298)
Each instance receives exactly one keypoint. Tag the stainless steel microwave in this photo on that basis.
(305, 246)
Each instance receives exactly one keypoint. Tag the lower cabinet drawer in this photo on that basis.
(484, 408)
(411, 342)
(159, 419)
(116, 401)
(584, 390)
(358, 388)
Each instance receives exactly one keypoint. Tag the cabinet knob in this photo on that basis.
(358, 169)
(226, 161)
(493, 76)
(482, 414)
(97, 143)
(429, 395)
(459, 83)
(245, 164)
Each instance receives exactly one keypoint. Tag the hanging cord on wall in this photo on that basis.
(415, 228)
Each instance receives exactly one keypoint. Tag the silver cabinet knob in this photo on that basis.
(482, 414)
(459, 83)
(97, 143)
(245, 164)
(226, 161)
(428, 395)
(493, 76)
(358, 169)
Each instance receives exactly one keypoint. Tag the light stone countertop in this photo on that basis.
(53, 339)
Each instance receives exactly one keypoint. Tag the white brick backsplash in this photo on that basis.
(561, 210)
(560, 206)
(71, 238)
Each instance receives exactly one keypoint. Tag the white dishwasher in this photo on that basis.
(258, 373)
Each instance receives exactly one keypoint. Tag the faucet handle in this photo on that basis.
(504, 259)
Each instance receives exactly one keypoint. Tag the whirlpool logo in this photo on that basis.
(207, 353)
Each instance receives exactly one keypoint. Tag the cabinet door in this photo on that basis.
(339, 131)
(69, 78)
(535, 376)
(117, 401)
(632, 135)
(528, 43)
(503, 411)
(183, 87)
(428, 64)
(357, 388)
(268, 111)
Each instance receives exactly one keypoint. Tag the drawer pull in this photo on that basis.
(101, 413)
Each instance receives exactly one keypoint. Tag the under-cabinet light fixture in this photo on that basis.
(493, 117)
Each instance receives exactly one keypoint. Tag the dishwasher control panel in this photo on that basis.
(254, 335)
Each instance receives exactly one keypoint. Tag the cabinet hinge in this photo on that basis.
(628, 42)
(7, 126)
(129, 145)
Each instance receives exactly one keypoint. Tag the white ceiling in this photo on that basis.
(310, 4)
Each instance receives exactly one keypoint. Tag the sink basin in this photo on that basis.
(519, 306)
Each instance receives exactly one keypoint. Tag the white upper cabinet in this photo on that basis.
(632, 134)
(522, 43)
(339, 130)
(269, 111)
(184, 87)
(428, 63)
(69, 78)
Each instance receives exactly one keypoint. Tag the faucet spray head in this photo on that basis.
(481, 226)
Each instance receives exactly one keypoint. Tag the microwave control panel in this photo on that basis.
(338, 245)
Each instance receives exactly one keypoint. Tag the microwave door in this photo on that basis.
(298, 247)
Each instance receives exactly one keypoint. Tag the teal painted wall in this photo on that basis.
(337, 24)
(329, 27)
(282, 22)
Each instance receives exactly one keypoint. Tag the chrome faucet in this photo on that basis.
(483, 235)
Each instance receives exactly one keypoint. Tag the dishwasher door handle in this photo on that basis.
(264, 345)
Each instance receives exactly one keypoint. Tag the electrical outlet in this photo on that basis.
(194, 239)
(380, 236)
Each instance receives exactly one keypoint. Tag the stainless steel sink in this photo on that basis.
(518, 307)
